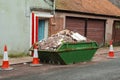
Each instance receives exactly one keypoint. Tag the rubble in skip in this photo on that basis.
(54, 41)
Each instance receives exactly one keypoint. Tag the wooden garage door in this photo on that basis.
(92, 29)
(75, 24)
(96, 30)
(116, 32)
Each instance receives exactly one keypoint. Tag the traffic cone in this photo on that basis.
(5, 64)
(35, 61)
(111, 51)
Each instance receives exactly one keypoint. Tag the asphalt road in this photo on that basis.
(108, 70)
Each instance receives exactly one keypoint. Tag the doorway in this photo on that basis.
(41, 29)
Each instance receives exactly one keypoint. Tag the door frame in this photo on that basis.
(34, 18)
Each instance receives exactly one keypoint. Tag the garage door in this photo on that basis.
(116, 32)
(75, 24)
(92, 29)
(96, 30)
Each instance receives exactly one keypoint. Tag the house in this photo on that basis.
(21, 22)
(24, 22)
(97, 20)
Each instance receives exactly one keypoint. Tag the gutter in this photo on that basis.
(77, 12)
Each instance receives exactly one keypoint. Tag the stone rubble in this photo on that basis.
(53, 42)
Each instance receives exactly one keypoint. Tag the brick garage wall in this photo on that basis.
(55, 25)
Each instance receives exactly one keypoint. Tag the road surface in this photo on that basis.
(108, 70)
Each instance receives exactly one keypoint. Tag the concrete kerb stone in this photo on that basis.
(35, 65)
(22, 60)
(7, 69)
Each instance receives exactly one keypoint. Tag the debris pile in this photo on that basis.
(53, 42)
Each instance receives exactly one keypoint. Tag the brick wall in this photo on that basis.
(55, 25)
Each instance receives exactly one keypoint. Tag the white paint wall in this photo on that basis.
(15, 23)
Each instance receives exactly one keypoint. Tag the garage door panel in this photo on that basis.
(75, 24)
(95, 30)
(95, 35)
(92, 29)
(116, 32)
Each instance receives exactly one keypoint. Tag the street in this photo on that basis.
(107, 70)
(60, 40)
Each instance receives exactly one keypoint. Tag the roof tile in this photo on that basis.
(103, 7)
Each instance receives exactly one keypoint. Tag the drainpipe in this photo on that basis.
(53, 13)
(54, 7)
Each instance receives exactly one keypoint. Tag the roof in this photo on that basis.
(104, 7)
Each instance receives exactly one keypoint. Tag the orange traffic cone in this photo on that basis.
(111, 51)
(5, 64)
(35, 61)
